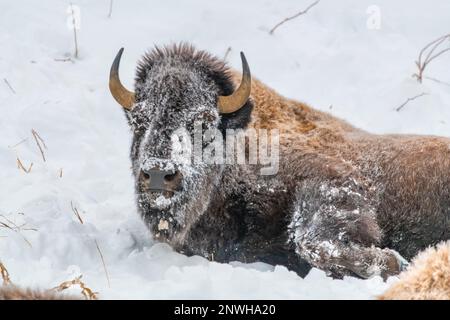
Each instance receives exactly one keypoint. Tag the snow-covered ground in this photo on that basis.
(328, 58)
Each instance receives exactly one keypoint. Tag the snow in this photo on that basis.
(328, 58)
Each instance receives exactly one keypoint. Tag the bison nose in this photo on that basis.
(162, 180)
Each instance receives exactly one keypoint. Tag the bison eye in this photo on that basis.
(170, 177)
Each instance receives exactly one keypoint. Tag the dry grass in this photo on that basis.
(227, 53)
(409, 100)
(18, 143)
(75, 38)
(103, 262)
(5, 274)
(9, 85)
(18, 228)
(293, 17)
(40, 142)
(429, 53)
(63, 59)
(88, 293)
(77, 213)
(438, 81)
(20, 166)
(110, 8)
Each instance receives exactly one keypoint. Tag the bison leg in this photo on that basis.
(341, 259)
(334, 228)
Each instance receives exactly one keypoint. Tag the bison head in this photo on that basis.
(177, 88)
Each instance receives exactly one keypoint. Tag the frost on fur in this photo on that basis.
(335, 229)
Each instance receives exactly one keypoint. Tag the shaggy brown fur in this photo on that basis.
(343, 200)
(427, 278)
(404, 178)
(11, 292)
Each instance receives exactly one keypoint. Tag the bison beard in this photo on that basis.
(344, 200)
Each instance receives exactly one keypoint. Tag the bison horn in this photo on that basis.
(124, 97)
(235, 101)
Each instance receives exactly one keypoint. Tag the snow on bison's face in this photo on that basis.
(180, 95)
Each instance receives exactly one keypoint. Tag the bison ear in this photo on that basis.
(124, 97)
(235, 101)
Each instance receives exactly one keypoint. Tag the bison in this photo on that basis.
(343, 200)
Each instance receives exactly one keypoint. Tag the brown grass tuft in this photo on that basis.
(428, 54)
(5, 274)
(77, 213)
(88, 293)
(294, 16)
(20, 166)
(18, 228)
(103, 262)
(39, 141)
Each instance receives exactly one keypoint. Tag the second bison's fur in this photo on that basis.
(344, 200)
(428, 277)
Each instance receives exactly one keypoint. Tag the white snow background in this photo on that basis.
(328, 58)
